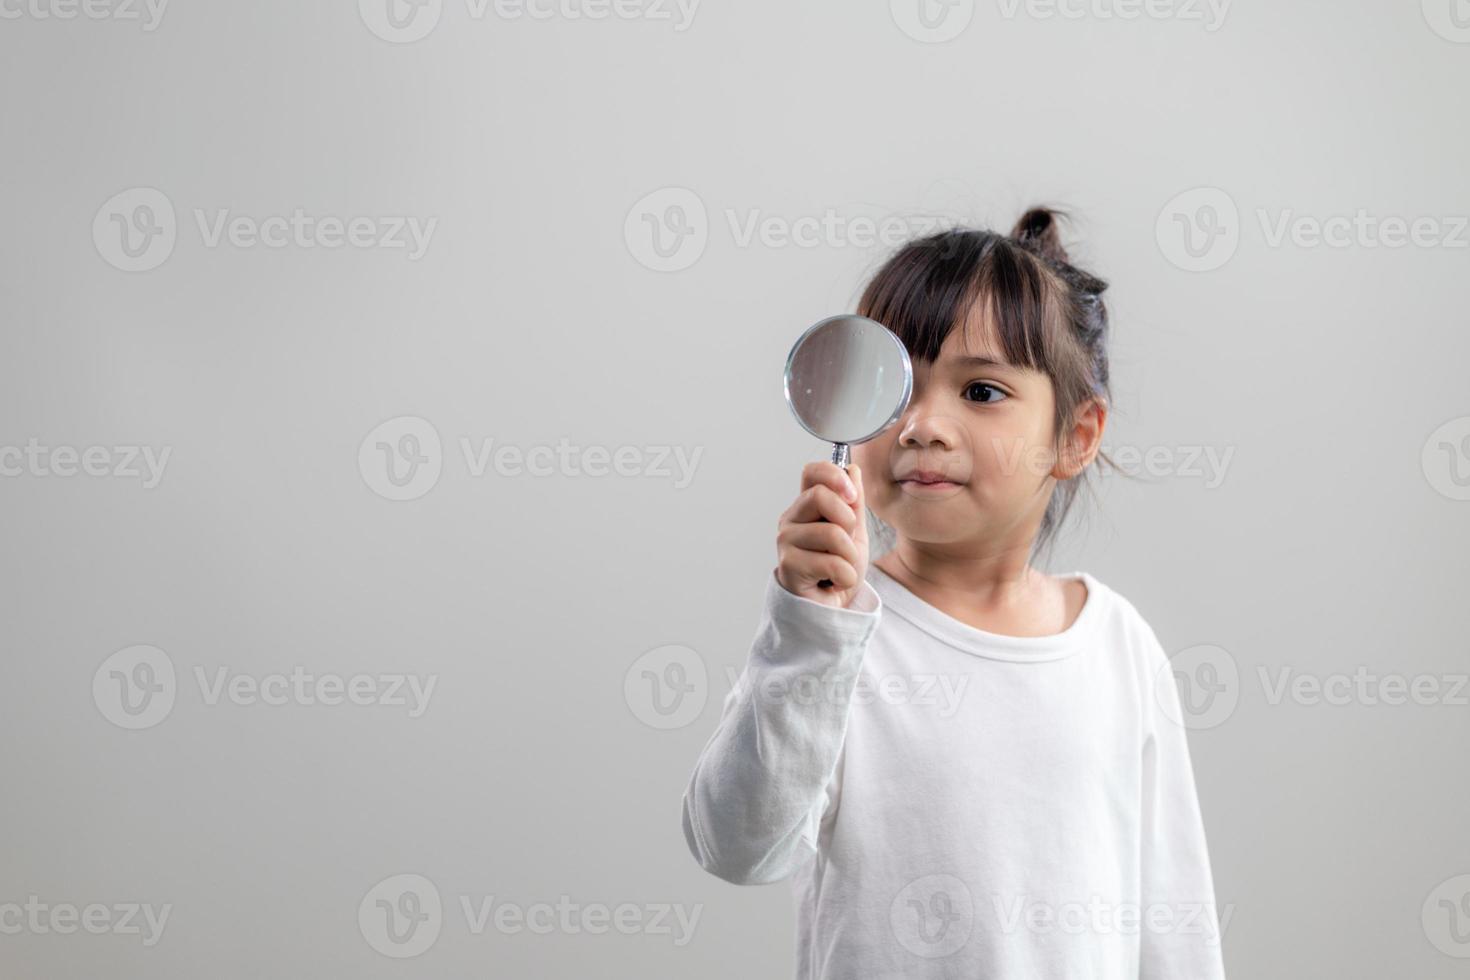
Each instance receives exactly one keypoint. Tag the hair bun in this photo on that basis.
(1038, 230)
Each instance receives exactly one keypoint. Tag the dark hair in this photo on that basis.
(1048, 313)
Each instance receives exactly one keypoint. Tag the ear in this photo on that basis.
(1082, 443)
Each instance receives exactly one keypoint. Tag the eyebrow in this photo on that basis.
(964, 362)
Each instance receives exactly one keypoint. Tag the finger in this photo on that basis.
(818, 539)
(819, 502)
(823, 567)
(829, 474)
(860, 530)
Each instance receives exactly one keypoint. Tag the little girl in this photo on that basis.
(966, 767)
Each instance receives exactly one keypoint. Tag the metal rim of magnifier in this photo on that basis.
(908, 377)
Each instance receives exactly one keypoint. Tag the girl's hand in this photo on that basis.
(823, 536)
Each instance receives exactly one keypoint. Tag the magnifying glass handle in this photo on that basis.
(841, 457)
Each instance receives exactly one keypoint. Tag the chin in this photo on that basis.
(932, 522)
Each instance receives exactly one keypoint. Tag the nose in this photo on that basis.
(924, 428)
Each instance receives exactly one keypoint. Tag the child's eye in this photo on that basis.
(989, 393)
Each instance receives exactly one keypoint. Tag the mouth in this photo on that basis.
(926, 480)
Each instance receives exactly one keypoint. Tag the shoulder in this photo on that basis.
(1120, 616)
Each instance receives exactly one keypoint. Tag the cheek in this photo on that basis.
(878, 486)
(1009, 445)
(872, 456)
(1012, 460)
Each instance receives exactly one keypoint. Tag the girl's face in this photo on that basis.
(981, 426)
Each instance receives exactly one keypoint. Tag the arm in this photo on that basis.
(760, 784)
(1183, 942)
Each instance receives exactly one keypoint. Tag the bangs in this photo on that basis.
(967, 277)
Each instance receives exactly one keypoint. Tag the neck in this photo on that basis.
(994, 575)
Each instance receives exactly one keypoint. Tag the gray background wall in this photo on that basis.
(537, 156)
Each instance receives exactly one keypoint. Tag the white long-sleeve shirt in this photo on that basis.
(949, 802)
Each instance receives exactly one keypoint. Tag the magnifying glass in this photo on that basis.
(848, 378)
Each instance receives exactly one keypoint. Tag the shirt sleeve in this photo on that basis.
(1179, 925)
(760, 784)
